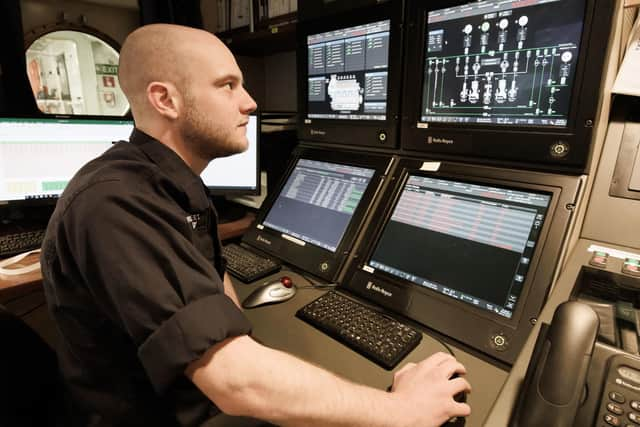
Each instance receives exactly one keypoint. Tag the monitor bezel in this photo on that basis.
(241, 191)
(474, 326)
(546, 148)
(372, 133)
(59, 118)
(311, 258)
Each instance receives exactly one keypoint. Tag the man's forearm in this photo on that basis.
(245, 378)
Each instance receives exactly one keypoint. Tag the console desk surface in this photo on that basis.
(276, 326)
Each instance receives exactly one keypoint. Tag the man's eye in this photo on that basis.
(229, 85)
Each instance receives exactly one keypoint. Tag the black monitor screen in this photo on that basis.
(502, 63)
(347, 73)
(472, 242)
(317, 202)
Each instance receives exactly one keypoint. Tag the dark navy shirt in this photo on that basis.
(132, 270)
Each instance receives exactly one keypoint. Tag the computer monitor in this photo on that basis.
(312, 220)
(239, 173)
(468, 251)
(38, 156)
(506, 81)
(349, 74)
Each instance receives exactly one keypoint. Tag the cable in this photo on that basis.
(306, 279)
(16, 259)
(313, 285)
(444, 344)
(319, 286)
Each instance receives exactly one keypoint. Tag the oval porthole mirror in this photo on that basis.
(75, 73)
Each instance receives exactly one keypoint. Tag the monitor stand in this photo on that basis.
(228, 211)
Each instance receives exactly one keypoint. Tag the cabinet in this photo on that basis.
(270, 27)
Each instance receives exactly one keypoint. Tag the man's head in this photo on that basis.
(186, 89)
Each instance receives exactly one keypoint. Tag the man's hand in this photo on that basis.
(426, 390)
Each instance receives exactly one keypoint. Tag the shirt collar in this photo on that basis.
(173, 166)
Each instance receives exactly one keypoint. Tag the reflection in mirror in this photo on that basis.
(72, 72)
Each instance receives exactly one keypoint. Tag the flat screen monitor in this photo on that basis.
(463, 252)
(349, 72)
(318, 201)
(511, 80)
(313, 218)
(502, 63)
(239, 173)
(469, 241)
(38, 156)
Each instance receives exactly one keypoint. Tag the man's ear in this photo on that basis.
(163, 97)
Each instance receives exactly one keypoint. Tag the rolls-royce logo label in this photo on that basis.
(317, 132)
(378, 289)
(436, 140)
(263, 240)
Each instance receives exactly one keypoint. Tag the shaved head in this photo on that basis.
(186, 91)
(161, 52)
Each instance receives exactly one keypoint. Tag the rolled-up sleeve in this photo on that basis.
(142, 267)
(187, 335)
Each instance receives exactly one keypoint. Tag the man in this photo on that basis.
(151, 334)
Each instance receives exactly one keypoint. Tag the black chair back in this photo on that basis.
(30, 385)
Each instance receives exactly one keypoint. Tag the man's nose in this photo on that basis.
(249, 105)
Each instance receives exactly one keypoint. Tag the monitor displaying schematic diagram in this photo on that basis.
(508, 81)
(348, 71)
(504, 63)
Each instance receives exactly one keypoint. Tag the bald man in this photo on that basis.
(152, 333)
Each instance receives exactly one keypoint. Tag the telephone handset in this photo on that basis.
(555, 381)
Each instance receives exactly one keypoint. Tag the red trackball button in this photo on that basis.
(286, 281)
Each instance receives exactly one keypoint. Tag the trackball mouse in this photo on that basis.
(462, 398)
(278, 291)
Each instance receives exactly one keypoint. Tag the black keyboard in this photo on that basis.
(246, 265)
(376, 336)
(15, 243)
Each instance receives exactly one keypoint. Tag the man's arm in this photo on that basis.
(288, 391)
(230, 291)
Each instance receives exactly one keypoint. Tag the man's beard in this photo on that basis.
(207, 139)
